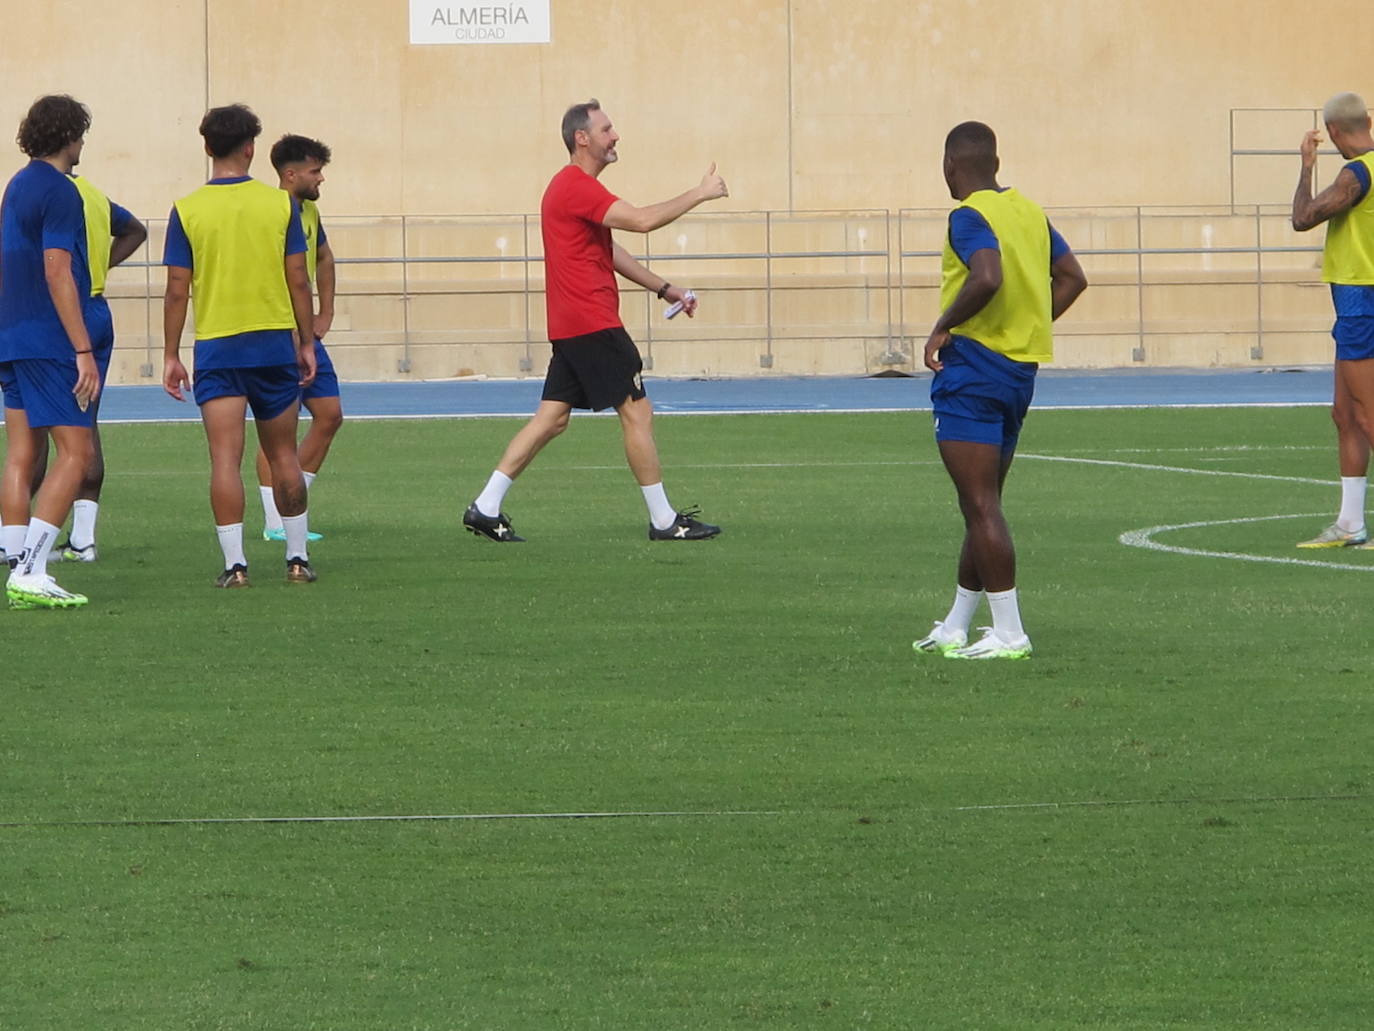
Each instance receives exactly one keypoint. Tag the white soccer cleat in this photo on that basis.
(1334, 537)
(40, 592)
(941, 640)
(991, 646)
(69, 552)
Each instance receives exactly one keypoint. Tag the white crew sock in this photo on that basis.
(493, 494)
(271, 518)
(38, 544)
(1353, 490)
(12, 540)
(83, 523)
(963, 610)
(661, 513)
(231, 543)
(1006, 615)
(297, 528)
(309, 479)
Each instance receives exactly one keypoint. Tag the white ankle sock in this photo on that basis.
(83, 523)
(963, 610)
(1006, 615)
(38, 542)
(493, 494)
(1353, 489)
(661, 513)
(12, 539)
(271, 518)
(231, 543)
(297, 529)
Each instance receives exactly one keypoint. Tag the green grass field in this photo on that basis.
(1163, 819)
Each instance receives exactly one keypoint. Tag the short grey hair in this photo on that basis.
(577, 118)
(1346, 111)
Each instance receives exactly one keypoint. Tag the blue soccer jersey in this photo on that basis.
(41, 210)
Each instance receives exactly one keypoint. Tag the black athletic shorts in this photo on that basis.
(596, 370)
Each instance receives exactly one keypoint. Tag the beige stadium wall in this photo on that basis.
(805, 106)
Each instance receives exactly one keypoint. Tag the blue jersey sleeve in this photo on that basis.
(970, 232)
(295, 232)
(177, 250)
(1362, 174)
(64, 219)
(1058, 245)
(323, 240)
(119, 219)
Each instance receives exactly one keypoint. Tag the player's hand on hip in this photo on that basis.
(1309, 147)
(713, 186)
(938, 339)
(174, 378)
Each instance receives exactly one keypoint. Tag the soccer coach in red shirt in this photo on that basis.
(595, 364)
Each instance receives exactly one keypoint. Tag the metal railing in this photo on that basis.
(777, 284)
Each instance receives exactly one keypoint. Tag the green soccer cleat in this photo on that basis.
(940, 641)
(40, 592)
(1334, 537)
(69, 552)
(280, 535)
(990, 646)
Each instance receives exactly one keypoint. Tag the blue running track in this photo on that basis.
(1054, 389)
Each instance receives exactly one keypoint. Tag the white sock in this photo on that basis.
(38, 544)
(297, 528)
(1006, 615)
(1353, 490)
(661, 514)
(309, 478)
(963, 610)
(493, 494)
(12, 540)
(231, 543)
(83, 523)
(271, 518)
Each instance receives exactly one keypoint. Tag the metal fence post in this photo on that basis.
(403, 365)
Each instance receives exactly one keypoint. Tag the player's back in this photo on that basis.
(237, 231)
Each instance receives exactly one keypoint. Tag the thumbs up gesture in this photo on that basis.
(713, 186)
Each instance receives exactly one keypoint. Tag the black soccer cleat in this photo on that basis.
(493, 528)
(233, 577)
(298, 571)
(686, 527)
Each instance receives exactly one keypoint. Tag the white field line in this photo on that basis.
(417, 818)
(1107, 803)
(1152, 467)
(1145, 539)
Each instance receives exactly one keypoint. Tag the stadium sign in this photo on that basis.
(483, 21)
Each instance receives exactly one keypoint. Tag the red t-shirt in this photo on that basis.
(579, 270)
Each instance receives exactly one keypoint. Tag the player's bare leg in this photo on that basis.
(484, 516)
(987, 558)
(1352, 448)
(277, 437)
(641, 452)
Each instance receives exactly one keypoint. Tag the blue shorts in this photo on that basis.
(42, 389)
(1354, 336)
(326, 381)
(270, 389)
(981, 396)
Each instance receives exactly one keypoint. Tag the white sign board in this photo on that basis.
(479, 21)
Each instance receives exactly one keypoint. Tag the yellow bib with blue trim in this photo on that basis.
(1016, 322)
(97, 211)
(237, 233)
(1349, 255)
(310, 222)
